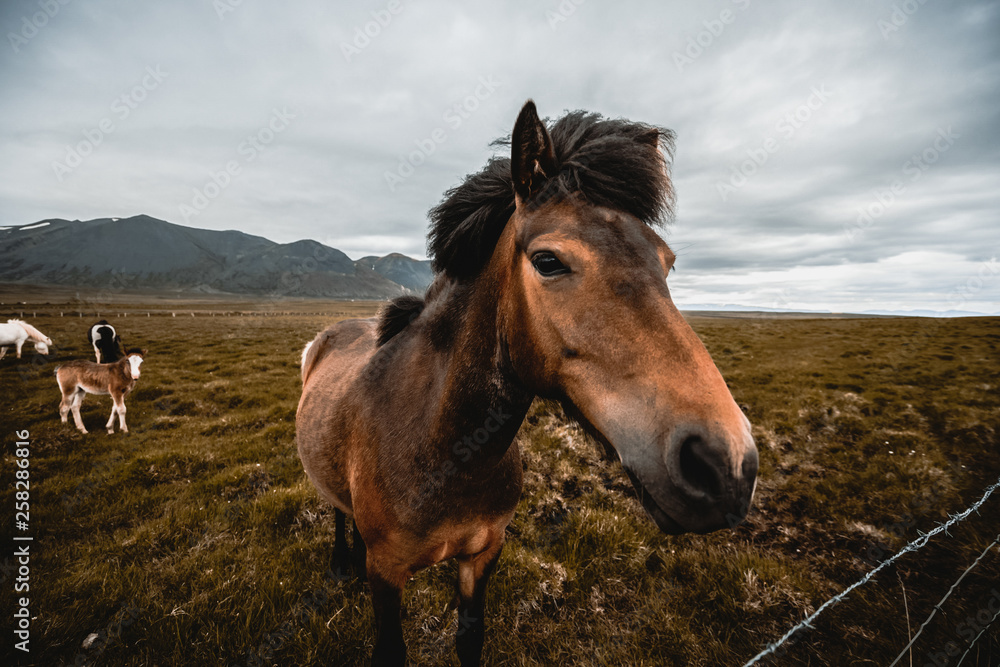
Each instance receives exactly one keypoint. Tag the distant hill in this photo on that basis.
(401, 269)
(929, 313)
(142, 252)
(736, 308)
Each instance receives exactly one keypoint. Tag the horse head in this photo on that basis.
(135, 359)
(588, 317)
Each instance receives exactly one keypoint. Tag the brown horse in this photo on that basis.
(80, 377)
(550, 282)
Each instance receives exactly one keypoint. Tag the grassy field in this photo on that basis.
(197, 540)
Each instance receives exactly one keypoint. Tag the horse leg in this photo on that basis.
(359, 554)
(19, 344)
(121, 415)
(387, 600)
(341, 554)
(77, 419)
(111, 420)
(64, 405)
(3, 351)
(473, 576)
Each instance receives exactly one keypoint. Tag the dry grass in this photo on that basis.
(201, 525)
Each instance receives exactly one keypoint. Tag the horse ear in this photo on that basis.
(532, 156)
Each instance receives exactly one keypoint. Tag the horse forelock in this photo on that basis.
(615, 163)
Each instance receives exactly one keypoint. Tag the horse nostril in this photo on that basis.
(697, 468)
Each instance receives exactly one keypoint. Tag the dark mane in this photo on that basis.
(396, 315)
(614, 163)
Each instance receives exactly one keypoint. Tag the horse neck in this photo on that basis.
(122, 368)
(481, 395)
(33, 333)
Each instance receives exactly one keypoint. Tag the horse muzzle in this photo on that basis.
(703, 483)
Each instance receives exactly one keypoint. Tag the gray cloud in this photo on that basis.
(833, 100)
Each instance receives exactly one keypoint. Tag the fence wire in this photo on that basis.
(912, 546)
(941, 602)
(981, 632)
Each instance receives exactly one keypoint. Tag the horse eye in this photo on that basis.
(548, 264)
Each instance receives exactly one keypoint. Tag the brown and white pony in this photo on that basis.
(17, 332)
(550, 282)
(79, 377)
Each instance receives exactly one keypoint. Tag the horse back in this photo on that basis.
(94, 378)
(92, 333)
(346, 340)
(11, 332)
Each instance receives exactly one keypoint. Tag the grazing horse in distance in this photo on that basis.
(106, 342)
(80, 377)
(551, 282)
(17, 332)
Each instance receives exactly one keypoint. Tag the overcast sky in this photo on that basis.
(830, 155)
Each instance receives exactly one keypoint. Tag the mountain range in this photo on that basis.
(736, 308)
(143, 252)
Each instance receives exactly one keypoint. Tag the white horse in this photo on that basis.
(16, 332)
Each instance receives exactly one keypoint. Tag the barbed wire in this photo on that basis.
(912, 546)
